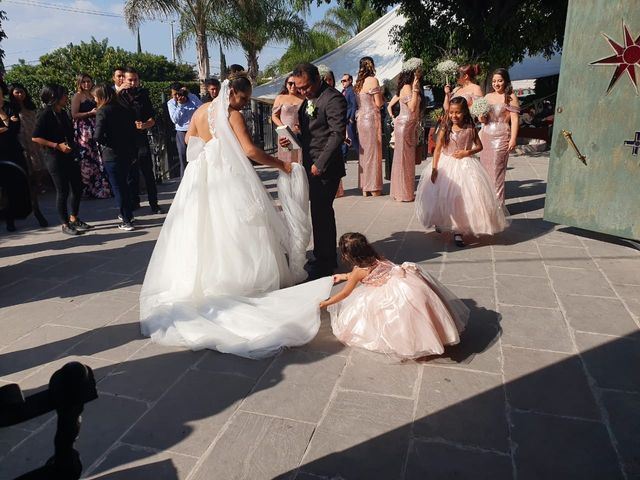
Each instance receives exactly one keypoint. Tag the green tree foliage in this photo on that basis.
(345, 22)
(496, 33)
(97, 59)
(251, 24)
(193, 16)
(316, 45)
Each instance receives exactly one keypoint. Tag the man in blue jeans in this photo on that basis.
(182, 106)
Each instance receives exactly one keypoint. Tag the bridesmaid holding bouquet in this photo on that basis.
(370, 101)
(285, 112)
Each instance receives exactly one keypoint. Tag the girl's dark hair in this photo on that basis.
(52, 93)
(508, 89)
(467, 120)
(472, 70)
(356, 250)
(81, 76)
(240, 82)
(285, 90)
(366, 69)
(28, 101)
(104, 94)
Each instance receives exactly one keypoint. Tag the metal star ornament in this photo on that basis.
(626, 58)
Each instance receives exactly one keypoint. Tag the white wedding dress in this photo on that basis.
(225, 252)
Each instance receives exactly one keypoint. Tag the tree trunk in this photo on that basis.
(202, 50)
(252, 66)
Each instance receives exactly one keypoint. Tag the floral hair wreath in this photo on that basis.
(412, 64)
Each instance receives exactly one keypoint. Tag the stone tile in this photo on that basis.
(554, 447)
(525, 291)
(462, 407)
(622, 270)
(325, 341)
(97, 434)
(128, 462)
(613, 362)
(520, 263)
(560, 238)
(217, 362)
(470, 273)
(77, 265)
(479, 347)
(630, 294)
(190, 415)
(547, 382)
(149, 373)
(447, 462)
(297, 386)
(254, 447)
(84, 287)
(362, 436)
(115, 342)
(10, 437)
(623, 410)
(376, 373)
(25, 290)
(27, 317)
(538, 328)
(598, 315)
(41, 346)
(569, 257)
(95, 312)
(579, 281)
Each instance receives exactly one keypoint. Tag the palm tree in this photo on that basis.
(316, 45)
(193, 16)
(252, 24)
(343, 23)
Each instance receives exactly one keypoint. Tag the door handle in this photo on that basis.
(567, 134)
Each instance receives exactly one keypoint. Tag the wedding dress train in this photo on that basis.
(225, 252)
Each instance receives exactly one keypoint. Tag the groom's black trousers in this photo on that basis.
(322, 192)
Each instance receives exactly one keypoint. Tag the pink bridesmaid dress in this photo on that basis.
(401, 311)
(403, 169)
(370, 137)
(289, 117)
(462, 199)
(495, 136)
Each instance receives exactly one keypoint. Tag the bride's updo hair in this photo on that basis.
(240, 82)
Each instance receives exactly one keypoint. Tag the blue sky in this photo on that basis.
(34, 30)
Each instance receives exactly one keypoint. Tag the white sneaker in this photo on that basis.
(133, 219)
(127, 227)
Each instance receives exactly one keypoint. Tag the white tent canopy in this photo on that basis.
(375, 41)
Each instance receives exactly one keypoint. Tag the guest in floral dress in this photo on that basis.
(83, 111)
(370, 100)
(285, 112)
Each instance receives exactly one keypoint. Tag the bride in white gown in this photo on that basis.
(225, 251)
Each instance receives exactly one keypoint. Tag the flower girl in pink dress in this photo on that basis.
(458, 195)
(399, 310)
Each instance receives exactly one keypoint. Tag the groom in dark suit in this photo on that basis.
(322, 122)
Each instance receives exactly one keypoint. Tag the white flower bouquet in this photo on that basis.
(447, 68)
(412, 64)
(479, 107)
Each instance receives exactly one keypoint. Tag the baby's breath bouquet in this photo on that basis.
(479, 107)
(447, 68)
(412, 64)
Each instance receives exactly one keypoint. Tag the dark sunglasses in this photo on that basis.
(291, 84)
(344, 80)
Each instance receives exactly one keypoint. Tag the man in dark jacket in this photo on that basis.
(322, 122)
(352, 108)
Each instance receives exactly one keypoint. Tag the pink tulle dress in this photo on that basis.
(403, 169)
(495, 136)
(370, 140)
(462, 199)
(289, 117)
(401, 311)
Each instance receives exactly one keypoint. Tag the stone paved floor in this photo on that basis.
(545, 384)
